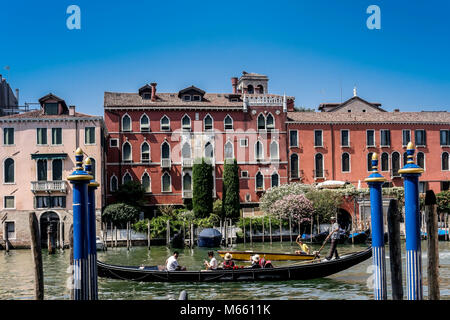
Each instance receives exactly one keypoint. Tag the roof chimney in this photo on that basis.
(153, 85)
(396, 110)
(234, 82)
(17, 96)
(71, 110)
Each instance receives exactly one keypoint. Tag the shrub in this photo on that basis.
(277, 193)
(296, 206)
(120, 213)
(202, 198)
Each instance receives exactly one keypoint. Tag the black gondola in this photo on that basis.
(359, 237)
(306, 271)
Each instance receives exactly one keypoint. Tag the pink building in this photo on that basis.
(37, 154)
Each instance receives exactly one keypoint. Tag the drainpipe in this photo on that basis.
(332, 153)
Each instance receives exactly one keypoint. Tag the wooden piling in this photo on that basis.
(57, 236)
(290, 229)
(433, 249)
(231, 233)
(115, 236)
(128, 236)
(243, 219)
(270, 230)
(225, 232)
(395, 255)
(112, 235)
(192, 235)
(263, 235)
(6, 239)
(251, 232)
(49, 240)
(37, 257)
(130, 230)
(61, 232)
(149, 233)
(71, 256)
(311, 235)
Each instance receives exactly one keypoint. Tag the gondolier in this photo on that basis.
(334, 234)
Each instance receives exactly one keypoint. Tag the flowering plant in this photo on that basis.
(296, 206)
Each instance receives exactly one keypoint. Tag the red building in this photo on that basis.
(155, 137)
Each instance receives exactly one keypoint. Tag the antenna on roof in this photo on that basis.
(354, 91)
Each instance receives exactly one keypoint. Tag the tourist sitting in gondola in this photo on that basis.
(304, 249)
(228, 261)
(212, 264)
(172, 263)
(256, 261)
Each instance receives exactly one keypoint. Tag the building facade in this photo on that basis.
(37, 155)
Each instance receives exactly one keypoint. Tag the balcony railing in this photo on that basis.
(48, 186)
(187, 194)
(166, 163)
(187, 163)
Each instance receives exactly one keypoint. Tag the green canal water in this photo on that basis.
(16, 276)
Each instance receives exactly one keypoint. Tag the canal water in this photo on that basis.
(16, 276)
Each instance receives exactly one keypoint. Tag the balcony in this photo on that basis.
(187, 194)
(187, 163)
(48, 186)
(166, 163)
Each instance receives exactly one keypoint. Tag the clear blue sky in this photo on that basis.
(309, 49)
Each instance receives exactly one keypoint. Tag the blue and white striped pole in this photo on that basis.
(410, 173)
(80, 179)
(91, 233)
(375, 181)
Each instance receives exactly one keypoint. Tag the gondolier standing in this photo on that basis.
(334, 234)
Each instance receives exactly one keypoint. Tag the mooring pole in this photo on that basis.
(375, 180)
(433, 249)
(80, 180)
(243, 220)
(61, 233)
(410, 173)
(251, 233)
(263, 222)
(395, 254)
(270, 229)
(37, 257)
(281, 230)
(91, 234)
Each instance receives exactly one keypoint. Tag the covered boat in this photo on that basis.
(305, 271)
(210, 238)
(359, 237)
(272, 256)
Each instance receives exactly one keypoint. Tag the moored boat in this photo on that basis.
(304, 271)
(272, 256)
(210, 238)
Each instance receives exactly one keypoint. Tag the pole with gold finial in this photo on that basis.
(410, 174)
(91, 233)
(375, 181)
(80, 180)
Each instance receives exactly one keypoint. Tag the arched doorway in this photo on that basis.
(49, 224)
(344, 219)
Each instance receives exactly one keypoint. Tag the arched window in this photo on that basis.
(186, 122)
(275, 180)
(229, 150)
(395, 164)
(294, 166)
(145, 123)
(113, 184)
(319, 165)
(166, 182)
(345, 162)
(259, 181)
(145, 152)
(250, 89)
(208, 122)
(260, 89)
(187, 182)
(186, 151)
(165, 123)
(270, 122)
(127, 178)
(57, 169)
(9, 171)
(369, 161)
(259, 151)
(209, 150)
(146, 185)
(42, 170)
(274, 150)
(445, 161)
(165, 150)
(228, 123)
(384, 162)
(126, 152)
(421, 159)
(261, 122)
(405, 158)
(126, 123)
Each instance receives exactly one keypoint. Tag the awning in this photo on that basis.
(37, 156)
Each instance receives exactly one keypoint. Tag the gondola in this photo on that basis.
(359, 237)
(305, 271)
(272, 256)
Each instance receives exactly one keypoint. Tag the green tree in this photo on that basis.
(202, 198)
(231, 203)
(443, 201)
(325, 203)
(131, 193)
(120, 213)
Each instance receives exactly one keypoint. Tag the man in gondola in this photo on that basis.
(334, 234)
(172, 263)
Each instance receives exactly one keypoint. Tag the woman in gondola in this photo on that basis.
(228, 261)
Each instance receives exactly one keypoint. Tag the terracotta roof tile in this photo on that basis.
(37, 114)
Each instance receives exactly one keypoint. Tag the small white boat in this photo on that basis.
(99, 243)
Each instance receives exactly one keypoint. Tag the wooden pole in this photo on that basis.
(395, 254)
(318, 225)
(270, 230)
(243, 219)
(299, 229)
(448, 227)
(311, 235)
(112, 235)
(115, 232)
(71, 256)
(105, 235)
(131, 240)
(221, 229)
(57, 242)
(231, 233)
(290, 228)
(263, 235)
(6, 238)
(149, 233)
(281, 226)
(61, 233)
(251, 232)
(192, 235)
(433, 249)
(128, 236)
(225, 232)
(49, 239)
(37, 257)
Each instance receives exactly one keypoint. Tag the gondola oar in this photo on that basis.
(323, 245)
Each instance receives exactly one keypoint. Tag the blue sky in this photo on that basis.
(309, 49)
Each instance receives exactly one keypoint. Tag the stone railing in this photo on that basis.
(48, 186)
